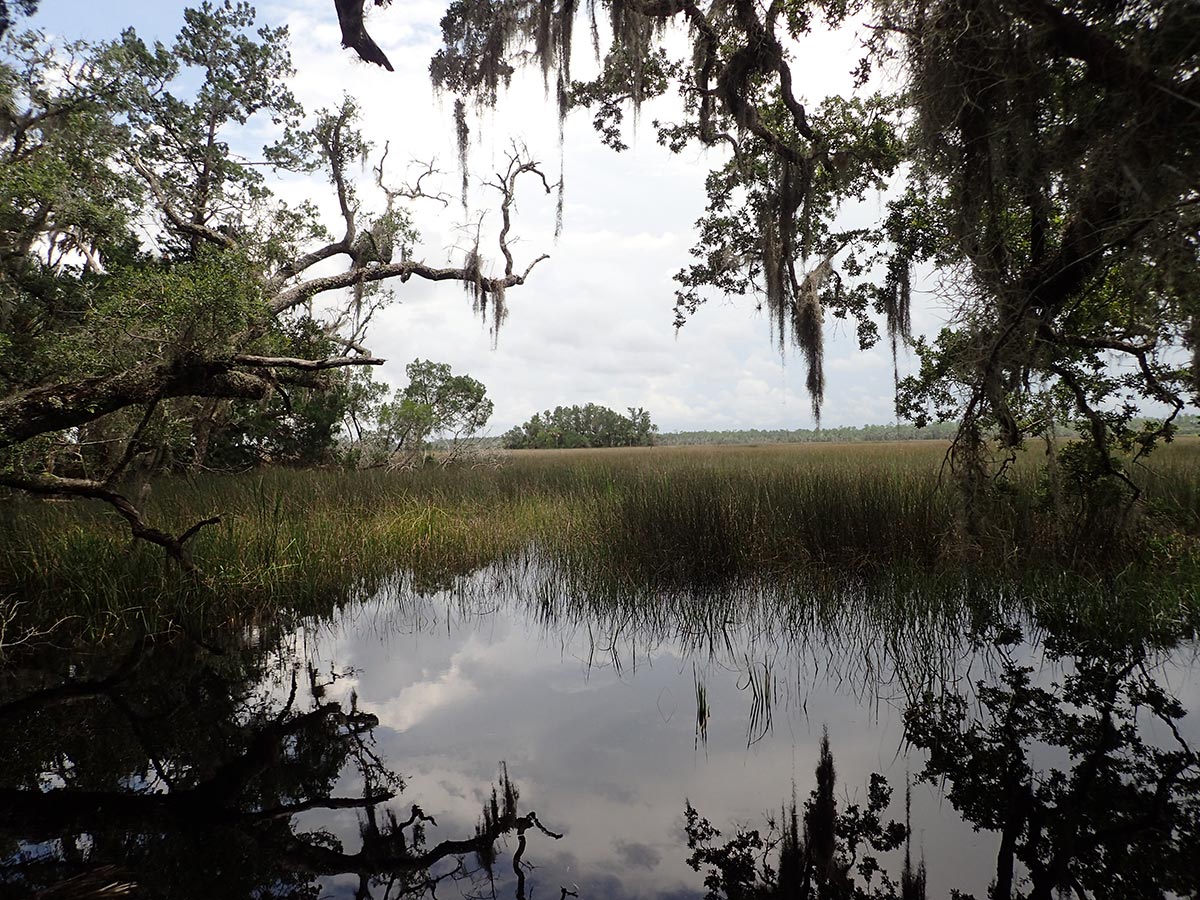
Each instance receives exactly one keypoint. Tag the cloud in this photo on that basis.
(417, 701)
(591, 749)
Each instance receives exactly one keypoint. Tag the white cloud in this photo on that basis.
(418, 700)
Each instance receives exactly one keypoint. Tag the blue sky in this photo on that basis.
(594, 323)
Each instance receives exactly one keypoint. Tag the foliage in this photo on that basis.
(433, 403)
(769, 227)
(846, 434)
(10, 9)
(158, 307)
(1042, 158)
(1059, 185)
(582, 426)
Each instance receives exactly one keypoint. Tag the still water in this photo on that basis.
(184, 768)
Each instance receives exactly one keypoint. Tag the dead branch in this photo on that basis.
(98, 490)
(518, 164)
(308, 365)
(294, 296)
(408, 191)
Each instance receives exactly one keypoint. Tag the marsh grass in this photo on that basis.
(644, 522)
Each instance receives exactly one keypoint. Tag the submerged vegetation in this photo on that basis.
(646, 521)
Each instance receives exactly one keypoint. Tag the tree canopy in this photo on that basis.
(434, 403)
(158, 302)
(582, 426)
(1040, 155)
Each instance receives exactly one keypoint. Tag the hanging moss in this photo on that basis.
(739, 90)
(462, 134)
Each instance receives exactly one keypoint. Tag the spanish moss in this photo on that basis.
(462, 134)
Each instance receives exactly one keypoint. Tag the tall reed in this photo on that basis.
(690, 520)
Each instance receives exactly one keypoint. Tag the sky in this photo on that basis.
(594, 323)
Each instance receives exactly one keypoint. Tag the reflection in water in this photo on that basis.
(1115, 815)
(822, 853)
(264, 768)
(169, 769)
(1119, 817)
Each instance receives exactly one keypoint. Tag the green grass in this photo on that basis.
(647, 522)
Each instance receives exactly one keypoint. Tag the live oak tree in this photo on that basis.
(589, 425)
(1054, 155)
(152, 288)
(1041, 155)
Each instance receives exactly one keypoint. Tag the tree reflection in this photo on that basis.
(1087, 779)
(175, 769)
(820, 853)
(1121, 820)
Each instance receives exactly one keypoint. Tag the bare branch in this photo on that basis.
(291, 809)
(331, 144)
(308, 365)
(294, 267)
(409, 191)
(518, 164)
(97, 490)
(348, 343)
(529, 268)
(300, 293)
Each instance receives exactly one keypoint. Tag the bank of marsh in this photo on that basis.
(665, 517)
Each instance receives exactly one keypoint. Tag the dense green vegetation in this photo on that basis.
(841, 435)
(163, 315)
(932, 431)
(157, 298)
(435, 408)
(574, 427)
(638, 520)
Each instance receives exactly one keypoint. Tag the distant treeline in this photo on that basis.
(937, 431)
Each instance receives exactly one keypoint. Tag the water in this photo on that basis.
(609, 718)
(602, 736)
